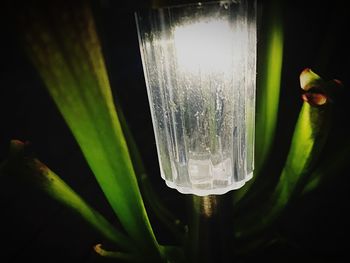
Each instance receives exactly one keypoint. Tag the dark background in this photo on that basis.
(33, 227)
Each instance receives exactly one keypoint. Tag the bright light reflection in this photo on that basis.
(204, 45)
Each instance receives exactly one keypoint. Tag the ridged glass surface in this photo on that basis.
(200, 63)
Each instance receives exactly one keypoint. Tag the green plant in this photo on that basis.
(67, 54)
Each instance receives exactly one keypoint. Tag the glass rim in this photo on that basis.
(197, 4)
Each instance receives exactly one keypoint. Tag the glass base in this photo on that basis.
(204, 192)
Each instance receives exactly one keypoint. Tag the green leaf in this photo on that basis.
(62, 42)
(165, 216)
(270, 58)
(30, 170)
(326, 170)
(269, 82)
(308, 140)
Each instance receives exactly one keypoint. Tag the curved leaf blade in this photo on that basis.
(308, 140)
(270, 60)
(268, 83)
(34, 172)
(62, 42)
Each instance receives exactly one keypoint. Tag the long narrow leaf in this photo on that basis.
(269, 82)
(176, 227)
(325, 172)
(308, 140)
(270, 58)
(62, 42)
(32, 171)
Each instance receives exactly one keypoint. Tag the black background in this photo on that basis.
(33, 227)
